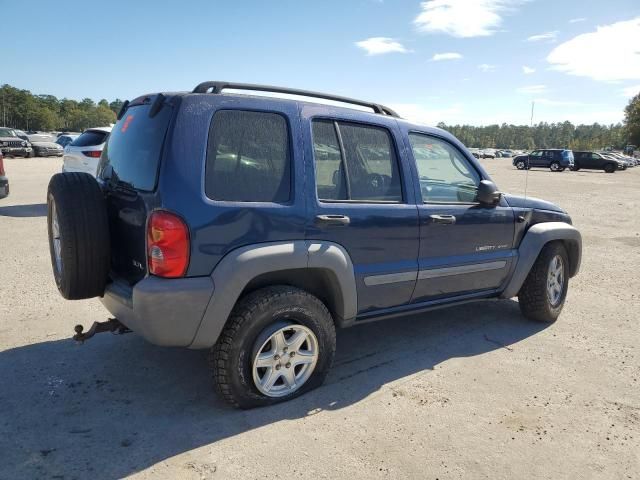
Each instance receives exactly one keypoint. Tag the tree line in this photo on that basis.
(542, 135)
(25, 111)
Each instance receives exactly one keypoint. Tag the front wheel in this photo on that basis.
(609, 168)
(520, 165)
(278, 343)
(543, 293)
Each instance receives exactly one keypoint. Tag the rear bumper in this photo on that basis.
(165, 312)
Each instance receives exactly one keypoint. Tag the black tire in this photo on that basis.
(575, 169)
(83, 232)
(31, 154)
(610, 168)
(555, 167)
(251, 322)
(521, 165)
(532, 297)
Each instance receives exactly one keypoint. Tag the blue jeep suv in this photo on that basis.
(255, 226)
(555, 159)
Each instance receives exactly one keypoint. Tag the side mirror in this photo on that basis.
(488, 193)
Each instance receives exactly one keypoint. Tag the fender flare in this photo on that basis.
(534, 240)
(234, 272)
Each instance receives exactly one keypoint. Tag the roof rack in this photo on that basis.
(217, 87)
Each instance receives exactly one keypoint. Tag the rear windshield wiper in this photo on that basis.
(115, 183)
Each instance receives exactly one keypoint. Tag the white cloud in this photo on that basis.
(485, 67)
(576, 20)
(631, 91)
(551, 36)
(446, 56)
(527, 70)
(463, 18)
(532, 89)
(611, 53)
(381, 45)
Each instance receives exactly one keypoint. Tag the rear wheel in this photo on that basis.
(78, 235)
(555, 167)
(543, 293)
(278, 343)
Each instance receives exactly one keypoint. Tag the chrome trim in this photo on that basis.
(473, 268)
(373, 280)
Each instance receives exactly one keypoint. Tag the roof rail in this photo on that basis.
(217, 87)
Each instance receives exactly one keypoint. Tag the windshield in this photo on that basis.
(90, 138)
(135, 145)
(6, 132)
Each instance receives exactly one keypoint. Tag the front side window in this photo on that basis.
(446, 176)
(248, 157)
(355, 162)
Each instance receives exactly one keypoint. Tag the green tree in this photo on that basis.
(632, 120)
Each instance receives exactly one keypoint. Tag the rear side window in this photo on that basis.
(355, 162)
(90, 138)
(248, 158)
(135, 146)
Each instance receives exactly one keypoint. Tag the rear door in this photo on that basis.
(130, 162)
(361, 198)
(465, 247)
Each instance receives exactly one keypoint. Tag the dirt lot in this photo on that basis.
(471, 392)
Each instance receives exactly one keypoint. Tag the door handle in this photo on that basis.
(333, 220)
(443, 219)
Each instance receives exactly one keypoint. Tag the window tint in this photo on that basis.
(135, 145)
(369, 171)
(90, 138)
(248, 157)
(446, 176)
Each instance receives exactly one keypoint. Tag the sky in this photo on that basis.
(473, 62)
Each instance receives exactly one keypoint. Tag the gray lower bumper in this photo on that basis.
(165, 312)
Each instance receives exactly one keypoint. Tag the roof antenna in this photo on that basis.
(526, 175)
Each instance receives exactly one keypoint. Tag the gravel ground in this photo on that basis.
(469, 392)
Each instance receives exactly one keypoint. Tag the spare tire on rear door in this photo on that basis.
(78, 235)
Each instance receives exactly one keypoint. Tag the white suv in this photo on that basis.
(83, 154)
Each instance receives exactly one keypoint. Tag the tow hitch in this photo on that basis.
(112, 325)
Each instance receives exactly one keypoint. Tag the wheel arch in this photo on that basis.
(532, 244)
(323, 269)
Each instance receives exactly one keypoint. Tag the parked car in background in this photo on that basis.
(11, 145)
(4, 181)
(555, 159)
(66, 138)
(596, 161)
(83, 154)
(475, 152)
(630, 161)
(487, 153)
(45, 146)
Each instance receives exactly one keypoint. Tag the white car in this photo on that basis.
(83, 154)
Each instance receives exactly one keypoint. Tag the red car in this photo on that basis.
(4, 181)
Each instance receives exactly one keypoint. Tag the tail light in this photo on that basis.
(92, 153)
(167, 245)
(1, 165)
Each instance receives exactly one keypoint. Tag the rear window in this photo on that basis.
(90, 138)
(248, 157)
(135, 146)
